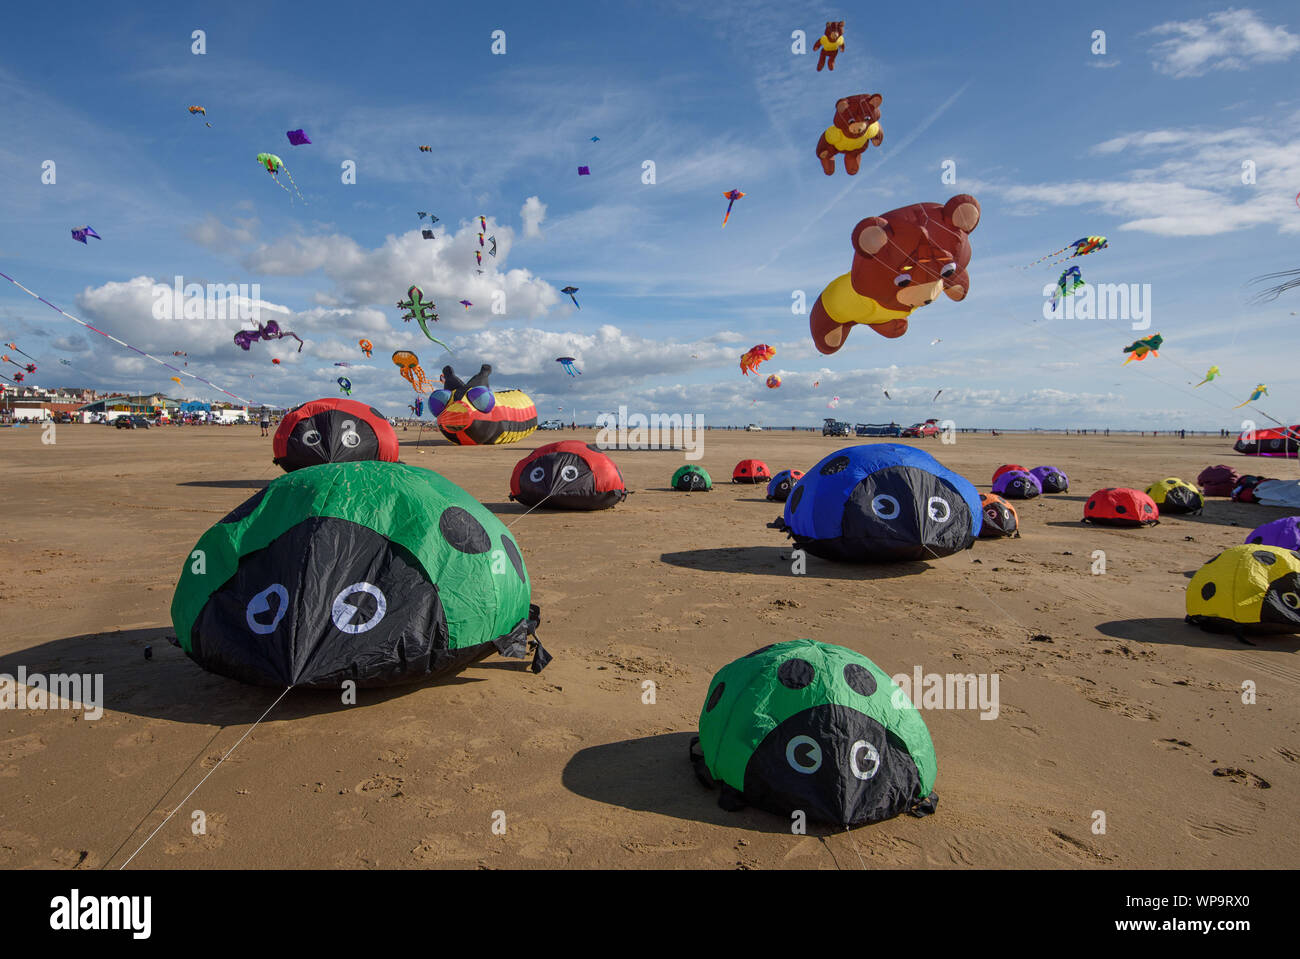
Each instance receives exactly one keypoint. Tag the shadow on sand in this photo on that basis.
(775, 561)
(173, 687)
(1168, 631)
(654, 774)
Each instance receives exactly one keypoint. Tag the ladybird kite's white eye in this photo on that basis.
(569, 473)
(948, 269)
(538, 474)
(311, 437)
(804, 754)
(885, 506)
(864, 760)
(939, 509)
(1292, 600)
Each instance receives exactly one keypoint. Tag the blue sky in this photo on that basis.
(1144, 145)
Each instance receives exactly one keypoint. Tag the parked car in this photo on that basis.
(131, 423)
(834, 427)
(928, 428)
(551, 425)
(753, 428)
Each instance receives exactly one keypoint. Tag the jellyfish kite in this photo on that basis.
(754, 356)
(465, 303)
(1081, 247)
(80, 234)
(1256, 393)
(1210, 374)
(1069, 281)
(1139, 349)
(274, 166)
(567, 362)
(570, 290)
(732, 196)
(345, 385)
(366, 347)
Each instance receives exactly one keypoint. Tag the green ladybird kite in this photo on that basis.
(812, 727)
(375, 572)
(692, 478)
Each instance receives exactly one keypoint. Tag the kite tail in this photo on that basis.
(295, 186)
(282, 186)
(1048, 257)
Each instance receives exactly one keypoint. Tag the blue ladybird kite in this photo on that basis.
(882, 503)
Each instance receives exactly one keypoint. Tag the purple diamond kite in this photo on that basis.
(297, 137)
(584, 171)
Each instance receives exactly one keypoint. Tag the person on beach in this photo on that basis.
(266, 424)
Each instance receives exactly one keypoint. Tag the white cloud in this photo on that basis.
(1228, 40)
(533, 212)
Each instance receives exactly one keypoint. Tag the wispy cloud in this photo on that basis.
(1231, 39)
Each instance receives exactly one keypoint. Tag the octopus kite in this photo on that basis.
(268, 331)
(754, 356)
(409, 365)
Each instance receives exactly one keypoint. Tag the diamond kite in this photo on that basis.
(297, 137)
(80, 234)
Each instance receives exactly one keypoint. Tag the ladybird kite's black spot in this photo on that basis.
(860, 679)
(795, 497)
(462, 531)
(375, 412)
(516, 560)
(1264, 556)
(1092, 504)
(1121, 508)
(796, 673)
(715, 697)
(1256, 540)
(1207, 591)
(837, 465)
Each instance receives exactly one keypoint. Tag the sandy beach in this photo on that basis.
(1118, 707)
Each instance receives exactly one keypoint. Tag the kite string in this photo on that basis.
(133, 349)
(205, 778)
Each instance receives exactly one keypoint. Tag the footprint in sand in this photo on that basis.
(381, 786)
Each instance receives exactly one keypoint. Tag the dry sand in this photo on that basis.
(1125, 710)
